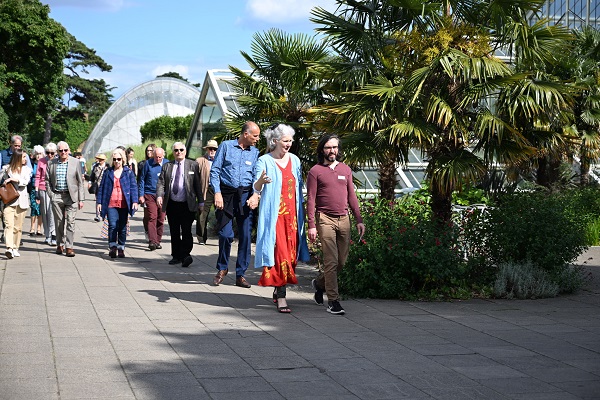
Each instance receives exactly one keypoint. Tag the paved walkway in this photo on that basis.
(136, 328)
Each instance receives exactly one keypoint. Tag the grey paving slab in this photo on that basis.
(137, 328)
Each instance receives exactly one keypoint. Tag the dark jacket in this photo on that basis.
(128, 185)
(191, 180)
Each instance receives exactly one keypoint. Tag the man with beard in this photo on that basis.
(330, 194)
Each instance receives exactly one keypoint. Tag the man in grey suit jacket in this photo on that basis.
(65, 187)
(179, 193)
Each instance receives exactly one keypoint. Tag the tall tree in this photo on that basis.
(86, 99)
(32, 49)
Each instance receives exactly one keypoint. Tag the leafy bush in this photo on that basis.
(524, 281)
(167, 127)
(403, 254)
(535, 227)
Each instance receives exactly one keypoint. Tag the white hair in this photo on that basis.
(37, 149)
(51, 147)
(276, 132)
(176, 144)
(63, 143)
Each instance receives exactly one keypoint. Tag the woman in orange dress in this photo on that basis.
(281, 239)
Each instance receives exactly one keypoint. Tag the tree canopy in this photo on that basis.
(32, 49)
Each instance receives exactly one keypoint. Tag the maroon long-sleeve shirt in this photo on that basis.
(331, 192)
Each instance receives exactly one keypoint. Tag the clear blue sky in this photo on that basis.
(145, 38)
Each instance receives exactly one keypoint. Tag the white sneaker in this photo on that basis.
(8, 253)
(16, 253)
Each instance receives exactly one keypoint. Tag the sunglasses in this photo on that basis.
(117, 159)
(178, 150)
(51, 153)
(63, 150)
(274, 126)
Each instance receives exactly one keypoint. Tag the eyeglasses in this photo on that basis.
(178, 150)
(63, 150)
(50, 153)
(211, 148)
(117, 159)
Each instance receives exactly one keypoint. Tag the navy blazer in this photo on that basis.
(128, 185)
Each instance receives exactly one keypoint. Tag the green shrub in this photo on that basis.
(524, 281)
(535, 227)
(403, 254)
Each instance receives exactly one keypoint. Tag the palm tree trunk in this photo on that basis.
(387, 179)
(548, 171)
(584, 168)
(441, 204)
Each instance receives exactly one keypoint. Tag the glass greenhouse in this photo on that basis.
(121, 123)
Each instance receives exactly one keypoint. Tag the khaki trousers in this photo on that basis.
(13, 225)
(64, 210)
(334, 233)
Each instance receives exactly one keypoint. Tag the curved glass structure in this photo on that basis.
(120, 124)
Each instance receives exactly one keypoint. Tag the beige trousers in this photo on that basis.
(13, 225)
(334, 233)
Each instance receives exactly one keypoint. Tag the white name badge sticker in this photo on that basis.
(248, 163)
(342, 177)
(190, 172)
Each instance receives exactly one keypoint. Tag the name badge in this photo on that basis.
(248, 163)
(190, 172)
(342, 177)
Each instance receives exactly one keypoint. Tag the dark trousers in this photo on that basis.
(244, 224)
(180, 224)
(154, 218)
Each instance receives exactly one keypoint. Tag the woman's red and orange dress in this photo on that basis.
(286, 235)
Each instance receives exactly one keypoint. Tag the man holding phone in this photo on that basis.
(330, 194)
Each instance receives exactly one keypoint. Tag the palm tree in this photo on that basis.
(418, 74)
(281, 87)
(583, 69)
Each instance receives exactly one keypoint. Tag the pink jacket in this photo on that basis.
(40, 175)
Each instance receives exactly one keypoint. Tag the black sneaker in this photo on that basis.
(335, 308)
(318, 293)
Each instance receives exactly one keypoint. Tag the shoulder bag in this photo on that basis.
(9, 191)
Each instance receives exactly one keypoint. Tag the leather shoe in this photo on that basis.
(187, 261)
(152, 246)
(158, 246)
(59, 249)
(242, 282)
(220, 276)
(70, 253)
(175, 261)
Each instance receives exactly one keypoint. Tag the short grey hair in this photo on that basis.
(51, 147)
(276, 132)
(177, 144)
(63, 143)
(14, 138)
(37, 149)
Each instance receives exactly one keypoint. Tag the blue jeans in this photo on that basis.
(117, 227)
(244, 225)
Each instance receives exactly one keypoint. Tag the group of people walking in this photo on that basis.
(273, 183)
(231, 176)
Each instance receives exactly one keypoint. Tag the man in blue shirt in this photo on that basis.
(153, 214)
(16, 142)
(231, 177)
